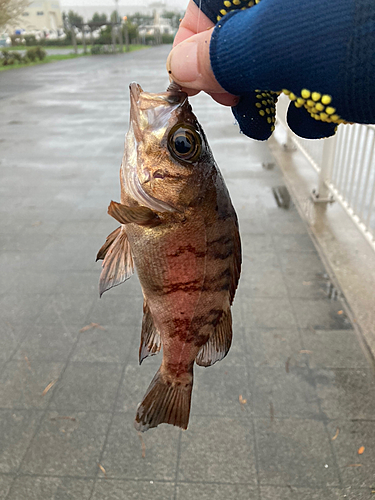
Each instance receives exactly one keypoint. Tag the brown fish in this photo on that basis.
(179, 229)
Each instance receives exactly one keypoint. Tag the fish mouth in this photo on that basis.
(153, 110)
(148, 113)
(135, 92)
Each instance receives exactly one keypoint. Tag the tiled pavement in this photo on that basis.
(68, 397)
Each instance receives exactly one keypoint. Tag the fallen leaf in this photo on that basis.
(37, 223)
(242, 400)
(337, 433)
(354, 465)
(340, 312)
(51, 384)
(142, 445)
(103, 470)
(306, 283)
(305, 351)
(91, 325)
(361, 450)
(28, 363)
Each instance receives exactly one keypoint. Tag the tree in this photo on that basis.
(98, 18)
(10, 10)
(174, 17)
(138, 18)
(71, 19)
(115, 18)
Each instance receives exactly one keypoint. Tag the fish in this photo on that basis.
(179, 230)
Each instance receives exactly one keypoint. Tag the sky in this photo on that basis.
(170, 4)
(87, 8)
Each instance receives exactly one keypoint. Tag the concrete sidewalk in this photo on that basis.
(282, 417)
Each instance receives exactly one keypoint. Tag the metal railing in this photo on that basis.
(345, 165)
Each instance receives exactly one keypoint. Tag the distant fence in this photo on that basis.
(345, 165)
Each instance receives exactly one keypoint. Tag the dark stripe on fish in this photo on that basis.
(182, 286)
(222, 240)
(221, 255)
(187, 248)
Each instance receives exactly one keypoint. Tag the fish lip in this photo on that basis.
(173, 96)
(135, 90)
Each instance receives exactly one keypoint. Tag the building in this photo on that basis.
(41, 15)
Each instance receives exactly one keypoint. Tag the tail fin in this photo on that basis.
(165, 402)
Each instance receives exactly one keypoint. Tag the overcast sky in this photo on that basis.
(170, 4)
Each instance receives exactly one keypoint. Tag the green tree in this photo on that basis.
(71, 19)
(10, 10)
(115, 18)
(174, 17)
(99, 18)
(138, 18)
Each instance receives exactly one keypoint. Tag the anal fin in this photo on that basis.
(142, 216)
(165, 402)
(118, 263)
(218, 345)
(150, 337)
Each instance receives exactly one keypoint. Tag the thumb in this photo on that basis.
(189, 64)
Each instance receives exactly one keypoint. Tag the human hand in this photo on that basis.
(188, 63)
(267, 47)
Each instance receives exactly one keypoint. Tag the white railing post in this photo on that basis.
(288, 144)
(322, 193)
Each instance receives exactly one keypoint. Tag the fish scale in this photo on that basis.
(180, 231)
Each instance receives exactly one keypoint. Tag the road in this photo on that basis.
(281, 417)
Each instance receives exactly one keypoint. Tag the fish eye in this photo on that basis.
(184, 143)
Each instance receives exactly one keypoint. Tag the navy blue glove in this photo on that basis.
(321, 54)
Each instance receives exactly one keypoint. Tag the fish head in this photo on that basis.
(166, 158)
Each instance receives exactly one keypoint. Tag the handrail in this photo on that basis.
(345, 165)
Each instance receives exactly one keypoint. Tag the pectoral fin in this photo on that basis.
(138, 215)
(118, 263)
(108, 242)
(150, 337)
(218, 345)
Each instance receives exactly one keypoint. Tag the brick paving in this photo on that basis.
(68, 396)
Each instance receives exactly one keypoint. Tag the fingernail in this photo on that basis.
(182, 62)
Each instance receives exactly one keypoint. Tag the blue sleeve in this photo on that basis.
(321, 53)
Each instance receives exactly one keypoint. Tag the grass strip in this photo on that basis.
(70, 47)
(47, 59)
(61, 57)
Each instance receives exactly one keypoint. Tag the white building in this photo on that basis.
(41, 15)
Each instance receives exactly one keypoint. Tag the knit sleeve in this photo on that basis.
(319, 53)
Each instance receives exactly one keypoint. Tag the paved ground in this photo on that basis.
(68, 395)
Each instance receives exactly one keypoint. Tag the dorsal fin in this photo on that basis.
(235, 268)
(118, 263)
